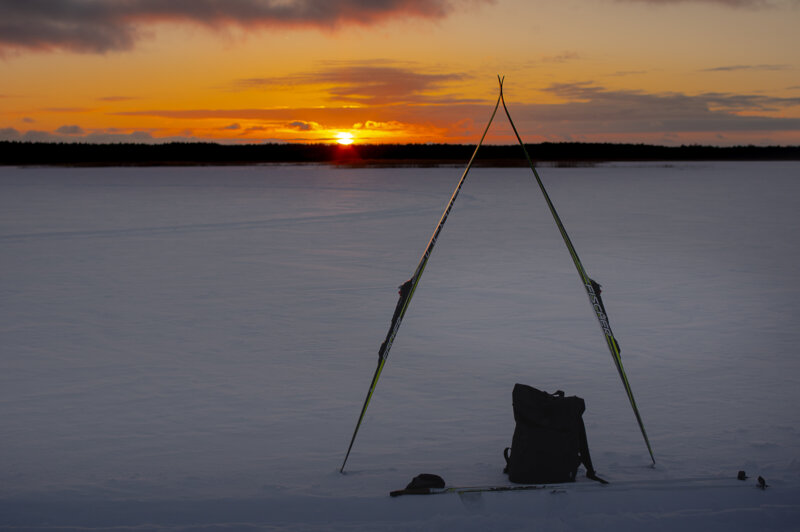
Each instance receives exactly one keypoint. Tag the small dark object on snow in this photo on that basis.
(426, 480)
(421, 485)
(742, 475)
(762, 483)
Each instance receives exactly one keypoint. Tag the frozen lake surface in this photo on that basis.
(187, 348)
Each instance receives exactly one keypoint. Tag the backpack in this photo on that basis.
(549, 440)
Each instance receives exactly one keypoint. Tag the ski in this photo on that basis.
(592, 288)
(408, 288)
(695, 483)
(472, 489)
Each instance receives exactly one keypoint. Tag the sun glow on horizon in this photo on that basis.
(344, 138)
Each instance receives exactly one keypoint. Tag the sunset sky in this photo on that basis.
(719, 72)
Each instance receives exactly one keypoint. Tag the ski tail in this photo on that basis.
(372, 385)
(408, 288)
(592, 288)
(613, 346)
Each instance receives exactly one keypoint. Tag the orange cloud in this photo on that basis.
(369, 83)
(392, 125)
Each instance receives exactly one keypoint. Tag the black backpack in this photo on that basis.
(549, 440)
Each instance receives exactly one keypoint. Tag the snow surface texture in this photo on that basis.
(189, 348)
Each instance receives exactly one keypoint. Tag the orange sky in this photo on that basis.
(667, 72)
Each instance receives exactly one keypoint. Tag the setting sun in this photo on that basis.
(344, 138)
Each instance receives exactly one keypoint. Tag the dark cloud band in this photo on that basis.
(111, 25)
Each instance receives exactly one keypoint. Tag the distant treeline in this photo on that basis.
(199, 153)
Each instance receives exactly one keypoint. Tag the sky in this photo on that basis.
(669, 72)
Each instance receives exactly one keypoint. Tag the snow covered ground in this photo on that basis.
(189, 348)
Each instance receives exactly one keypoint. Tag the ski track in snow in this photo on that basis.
(188, 348)
(218, 227)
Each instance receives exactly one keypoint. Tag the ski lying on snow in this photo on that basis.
(471, 489)
(638, 485)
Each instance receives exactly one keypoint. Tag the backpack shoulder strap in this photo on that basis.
(586, 459)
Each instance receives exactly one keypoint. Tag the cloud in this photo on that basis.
(669, 103)
(68, 24)
(144, 137)
(307, 118)
(116, 98)
(301, 125)
(71, 130)
(37, 136)
(368, 83)
(100, 26)
(751, 4)
(68, 109)
(733, 68)
(563, 57)
(746, 102)
(591, 108)
(621, 73)
(98, 137)
(9, 133)
(371, 125)
(232, 127)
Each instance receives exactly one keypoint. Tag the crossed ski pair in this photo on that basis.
(408, 288)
